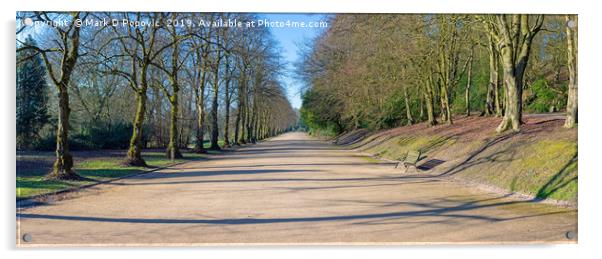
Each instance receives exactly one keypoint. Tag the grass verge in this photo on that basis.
(31, 182)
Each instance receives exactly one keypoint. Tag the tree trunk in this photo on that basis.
(214, 122)
(199, 92)
(446, 110)
(407, 106)
(173, 150)
(227, 126)
(243, 125)
(442, 103)
(215, 100)
(468, 84)
(237, 127)
(571, 106)
(227, 112)
(63, 165)
(253, 124)
(200, 130)
(248, 121)
(515, 43)
(513, 82)
(492, 106)
(428, 97)
(134, 156)
(62, 169)
(239, 111)
(512, 115)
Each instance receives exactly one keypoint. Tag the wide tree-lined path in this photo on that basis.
(289, 189)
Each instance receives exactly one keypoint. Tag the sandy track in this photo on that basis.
(290, 189)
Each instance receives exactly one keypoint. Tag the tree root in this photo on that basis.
(65, 175)
(133, 161)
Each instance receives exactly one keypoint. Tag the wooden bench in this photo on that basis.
(411, 159)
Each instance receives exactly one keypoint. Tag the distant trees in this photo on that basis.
(382, 71)
(176, 57)
(447, 31)
(32, 99)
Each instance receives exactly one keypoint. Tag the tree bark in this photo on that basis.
(173, 150)
(428, 97)
(227, 122)
(571, 106)
(199, 92)
(492, 106)
(214, 122)
(62, 168)
(445, 108)
(248, 122)
(214, 103)
(237, 127)
(468, 83)
(134, 155)
(514, 39)
(227, 108)
(243, 116)
(200, 127)
(409, 118)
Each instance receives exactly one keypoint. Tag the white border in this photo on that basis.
(589, 126)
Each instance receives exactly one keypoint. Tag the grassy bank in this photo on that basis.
(95, 165)
(539, 161)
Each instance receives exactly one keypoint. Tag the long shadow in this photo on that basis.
(301, 164)
(558, 180)
(351, 139)
(386, 179)
(333, 187)
(430, 164)
(374, 142)
(442, 204)
(235, 156)
(427, 210)
(282, 149)
(162, 175)
(248, 221)
(469, 161)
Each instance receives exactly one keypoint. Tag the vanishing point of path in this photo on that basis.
(290, 189)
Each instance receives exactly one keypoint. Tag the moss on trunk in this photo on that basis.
(134, 155)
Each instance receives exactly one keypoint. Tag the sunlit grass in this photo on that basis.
(31, 182)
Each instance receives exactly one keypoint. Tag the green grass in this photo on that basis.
(370, 159)
(31, 182)
(543, 166)
(207, 143)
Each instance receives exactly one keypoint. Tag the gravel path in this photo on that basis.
(290, 189)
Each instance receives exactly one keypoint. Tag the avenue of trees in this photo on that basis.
(382, 71)
(159, 81)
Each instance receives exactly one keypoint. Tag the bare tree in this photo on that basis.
(513, 35)
(66, 47)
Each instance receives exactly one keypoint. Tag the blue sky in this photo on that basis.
(289, 40)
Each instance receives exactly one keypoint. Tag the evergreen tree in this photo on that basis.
(32, 112)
